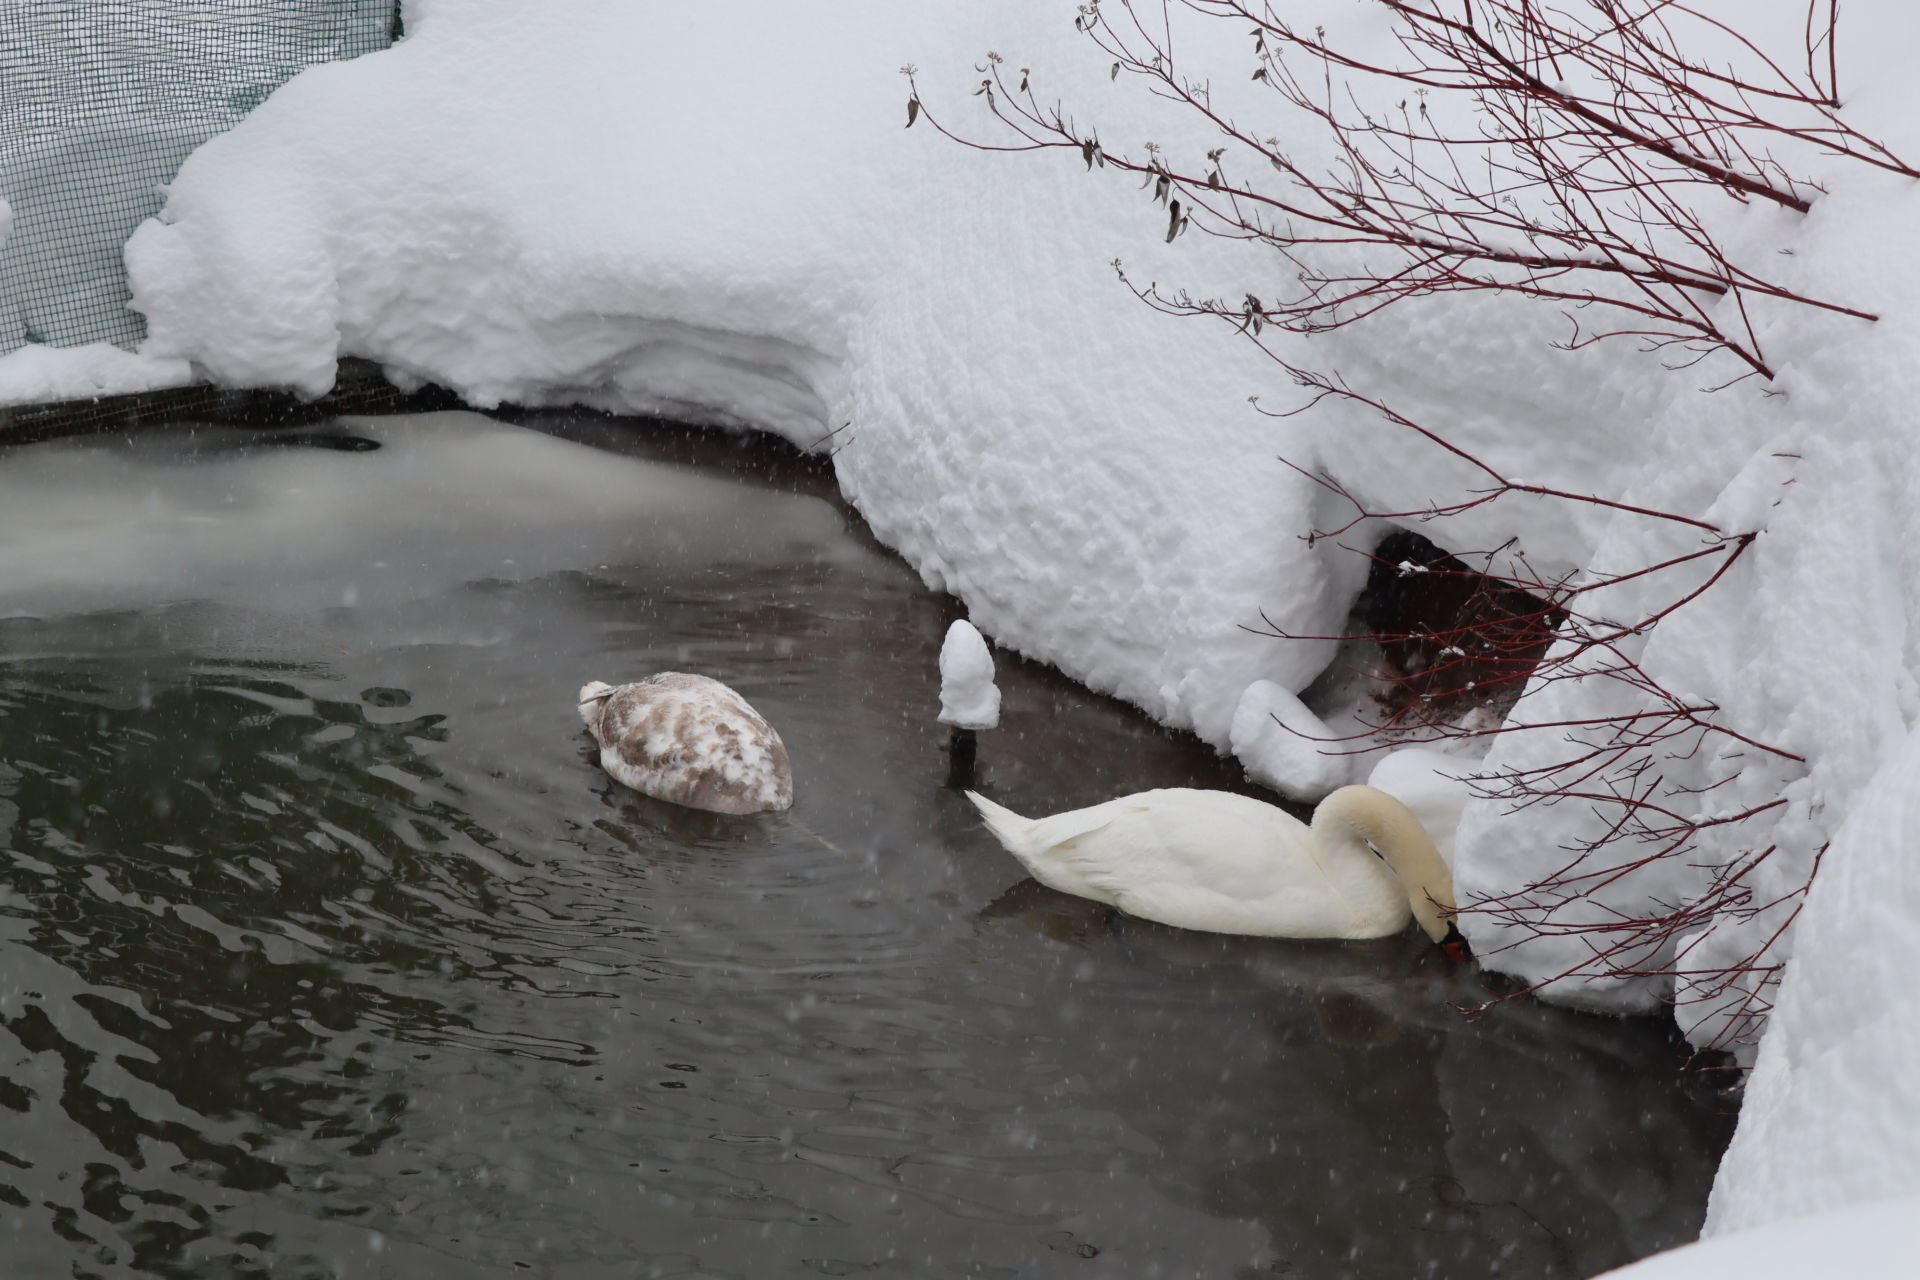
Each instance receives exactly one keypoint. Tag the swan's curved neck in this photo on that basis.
(1371, 815)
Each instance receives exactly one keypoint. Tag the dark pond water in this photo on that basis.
(326, 949)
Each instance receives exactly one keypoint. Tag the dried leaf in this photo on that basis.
(913, 111)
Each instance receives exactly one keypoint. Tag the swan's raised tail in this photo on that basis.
(1008, 827)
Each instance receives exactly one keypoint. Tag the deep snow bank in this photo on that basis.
(42, 375)
(1829, 1119)
(1870, 1241)
(715, 212)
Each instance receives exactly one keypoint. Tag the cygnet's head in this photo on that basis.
(593, 696)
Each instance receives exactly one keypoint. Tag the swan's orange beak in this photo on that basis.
(1455, 944)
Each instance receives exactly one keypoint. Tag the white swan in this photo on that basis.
(688, 740)
(1227, 863)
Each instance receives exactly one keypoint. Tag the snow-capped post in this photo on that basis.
(969, 699)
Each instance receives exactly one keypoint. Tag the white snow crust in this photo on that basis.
(36, 374)
(714, 212)
(969, 699)
(1832, 1116)
(1285, 746)
(1871, 1241)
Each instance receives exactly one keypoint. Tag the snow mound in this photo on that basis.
(1286, 746)
(1834, 1092)
(1872, 1241)
(44, 375)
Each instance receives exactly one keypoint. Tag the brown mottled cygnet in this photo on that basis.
(688, 740)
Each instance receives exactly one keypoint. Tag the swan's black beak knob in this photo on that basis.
(1455, 944)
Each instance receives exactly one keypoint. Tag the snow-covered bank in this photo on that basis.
(42, 375)
(716, 213)
(1864, 1242)
(1829, 1119)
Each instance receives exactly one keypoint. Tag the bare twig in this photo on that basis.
(1590, 132)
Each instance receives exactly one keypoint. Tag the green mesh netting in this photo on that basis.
(100, 101)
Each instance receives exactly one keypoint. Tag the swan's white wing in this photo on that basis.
(1094, 852)
(1062, 850)
(1226, 868)
(1055, 832)
(1209, 860)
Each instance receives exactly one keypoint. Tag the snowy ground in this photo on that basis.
(715, 213)
(44, 375)
(1870, 1241)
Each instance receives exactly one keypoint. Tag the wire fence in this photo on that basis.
(100, 102)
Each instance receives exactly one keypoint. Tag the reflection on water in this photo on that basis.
(326, 949)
